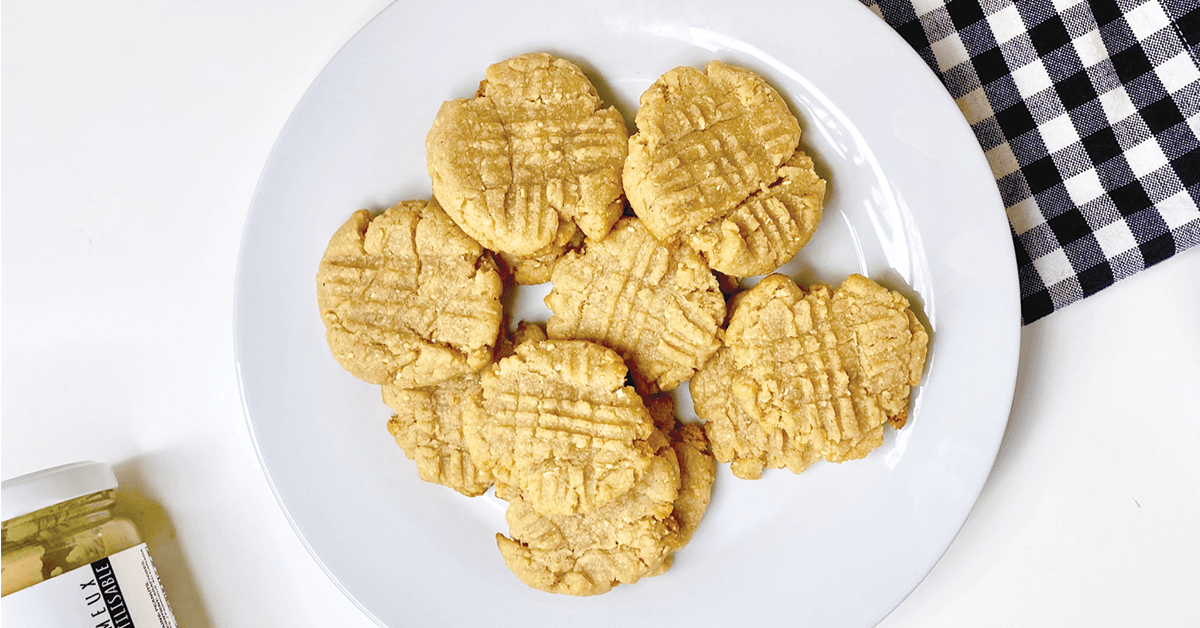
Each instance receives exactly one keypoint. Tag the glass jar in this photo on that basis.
(59, 521)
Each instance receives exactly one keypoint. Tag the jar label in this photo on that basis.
(121, 591)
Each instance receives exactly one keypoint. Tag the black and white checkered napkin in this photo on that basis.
(1089, 113)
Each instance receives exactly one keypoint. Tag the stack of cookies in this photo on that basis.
(534, 181)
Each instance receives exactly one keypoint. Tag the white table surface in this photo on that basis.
(133, 135)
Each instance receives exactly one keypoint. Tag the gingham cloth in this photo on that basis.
(1089, 114)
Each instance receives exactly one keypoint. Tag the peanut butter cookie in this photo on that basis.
(805, 375)
(659, 307)
(558, 424)
(715, 164)
(407, 298)
(533, 149)
(589, 553)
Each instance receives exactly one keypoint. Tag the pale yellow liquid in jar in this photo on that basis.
(66, 536)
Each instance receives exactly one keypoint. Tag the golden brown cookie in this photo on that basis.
(883, 348)
(659, 307)
(407, 298)
(589, 553)
(428, 424)
(532, 150)
(428, 427)
(715, 164)
(559, 424)
(813, 374)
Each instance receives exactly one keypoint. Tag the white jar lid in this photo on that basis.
(41, 489)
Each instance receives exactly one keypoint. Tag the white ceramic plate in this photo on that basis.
(911, 203)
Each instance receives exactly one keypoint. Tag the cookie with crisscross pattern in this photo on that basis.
(715, 164)
(806, 374)
(407, 298)
(533, 149)
(559, 424)
(588, 553)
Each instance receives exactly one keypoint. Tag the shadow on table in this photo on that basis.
(159, 535)
(1028, 393)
